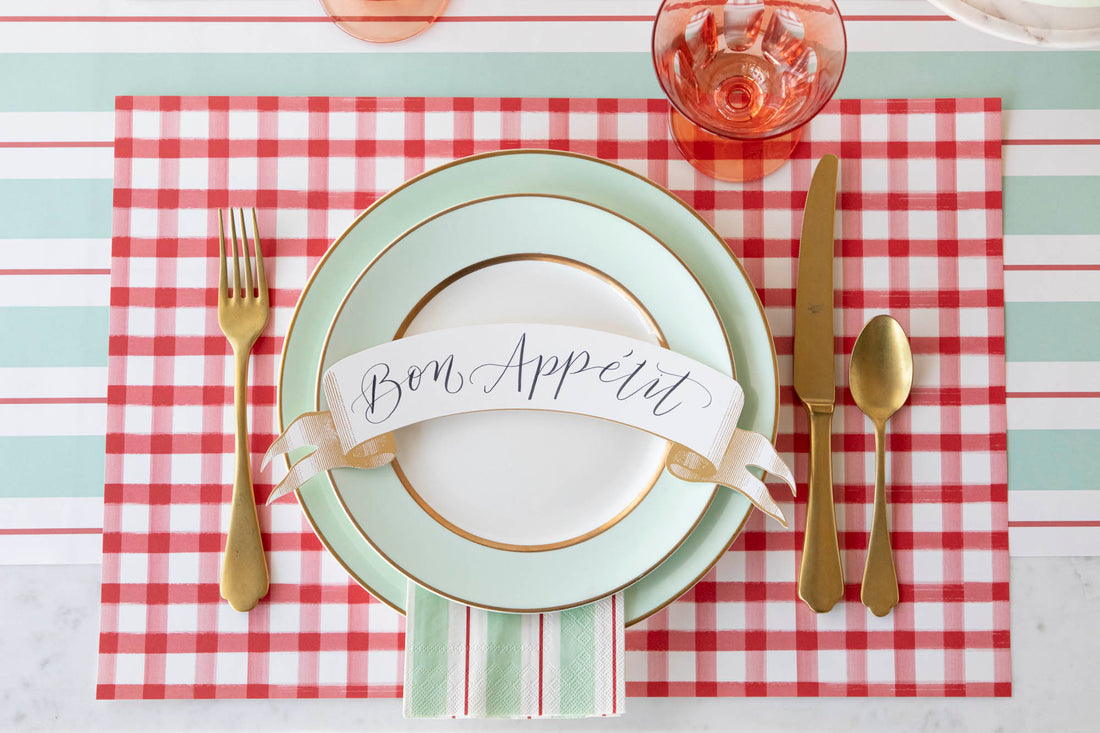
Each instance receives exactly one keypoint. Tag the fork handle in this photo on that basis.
(244, 578)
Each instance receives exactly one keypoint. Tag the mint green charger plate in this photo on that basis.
(555, 173)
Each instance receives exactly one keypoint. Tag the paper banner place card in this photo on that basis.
(533, 367)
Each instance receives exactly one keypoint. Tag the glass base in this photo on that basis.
(730, 160)
(383, 21)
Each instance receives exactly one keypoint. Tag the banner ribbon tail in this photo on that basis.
(744, 449)
(317, 430)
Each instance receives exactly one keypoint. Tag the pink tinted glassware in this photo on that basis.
(383, 21)
(744, 77)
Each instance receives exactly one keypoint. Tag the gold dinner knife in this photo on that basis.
(821, 578)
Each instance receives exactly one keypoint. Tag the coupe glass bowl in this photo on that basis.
(744, 77)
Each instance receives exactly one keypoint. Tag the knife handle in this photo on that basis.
(821, 578)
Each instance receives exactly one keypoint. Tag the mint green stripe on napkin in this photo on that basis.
(464, 662)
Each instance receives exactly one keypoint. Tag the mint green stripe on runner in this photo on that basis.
(1023, 80)
(578, 661)
(504, 667)
(1052, 331)
(35, 336)
(55, 208)
(90, 81)
(66, 82)
(81, 208)
(52, 466)
(1052, 204)
(1053, 460)
(1038, 459)
(426, 654)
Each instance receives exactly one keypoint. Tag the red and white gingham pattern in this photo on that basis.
(920, 237)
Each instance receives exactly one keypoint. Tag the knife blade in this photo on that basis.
(821, 577)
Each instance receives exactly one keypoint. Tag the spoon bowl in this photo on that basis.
(880, 376)
(881, 372)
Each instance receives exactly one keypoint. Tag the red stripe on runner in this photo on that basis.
(53, 400)
(1052, 395)
(321, 18)
(1050, 141)
(895, 18)
(109, 143)
(56, 143)
(394, 18)
(466, 680)
(50, 530)
(534, 18)
(1055, 523)
(69, 271)
(1081, 267)
(540, 662)
(484, 19)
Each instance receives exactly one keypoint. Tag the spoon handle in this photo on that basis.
(880, 582)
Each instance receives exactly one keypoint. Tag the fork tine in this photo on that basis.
(223, 286)
(261, 276)
(248, 293)
(236, 262)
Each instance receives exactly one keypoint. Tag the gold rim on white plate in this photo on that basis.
(411, 316)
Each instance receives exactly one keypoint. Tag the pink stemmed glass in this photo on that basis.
(383, 21)
(744, 77)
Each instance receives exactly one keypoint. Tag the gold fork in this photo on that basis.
(242, 315)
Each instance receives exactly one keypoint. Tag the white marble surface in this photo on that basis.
(1041, 23)
(50, 625)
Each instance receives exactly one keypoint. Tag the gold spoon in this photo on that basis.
(880, 376)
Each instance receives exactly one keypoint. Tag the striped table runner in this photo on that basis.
(63, 61)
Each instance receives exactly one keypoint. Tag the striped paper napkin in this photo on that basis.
(463, 662)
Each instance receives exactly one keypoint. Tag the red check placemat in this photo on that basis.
(919, 224)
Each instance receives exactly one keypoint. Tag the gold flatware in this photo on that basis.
(880, 376)
(821, 577)
(242, 315)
